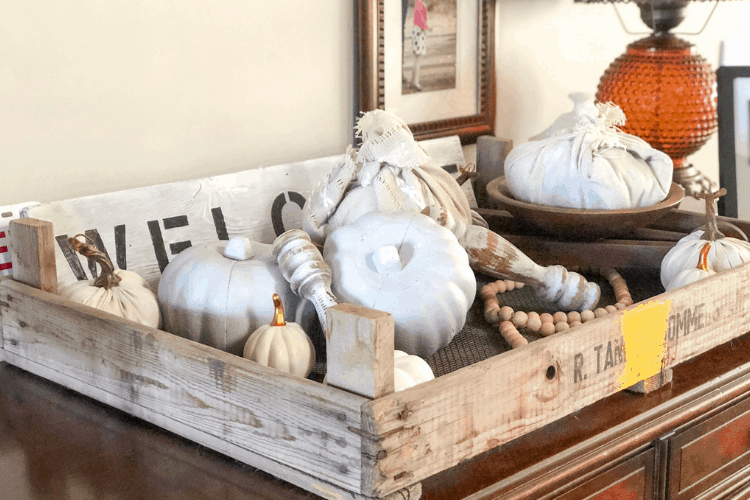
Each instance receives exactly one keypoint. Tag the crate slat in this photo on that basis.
(437, 425)
(199, 392)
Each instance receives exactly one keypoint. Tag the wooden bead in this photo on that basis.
(559, 316)
(500, 286)
(510, 285)
(610, 309)
(490, 314)
(587, 316)
(520, 285)
(546, 318)
(534, 322)
(505, 313)
(600, 312)
(627, 300)
(520, 318)
(511, 335)
(620, 306)
(561, 326)
(574, 324)
(573, 316)
(547, 329)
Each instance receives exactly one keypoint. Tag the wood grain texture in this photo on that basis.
(436, 425)
(142, 229)
(360, 350)
(215, 398)
(33, 255)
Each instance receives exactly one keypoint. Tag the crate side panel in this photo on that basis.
(293, 421)
(142, 229)
(426, 429)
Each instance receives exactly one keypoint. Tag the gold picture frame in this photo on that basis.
(468, 108)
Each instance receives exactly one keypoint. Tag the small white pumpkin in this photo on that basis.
(281, 345)
(691, 275)
(409, 371)
(217, 293)
(116, 291)
(725, 252)
(408, 265)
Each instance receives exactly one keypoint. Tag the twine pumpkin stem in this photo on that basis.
(107, 277)
(712, 232)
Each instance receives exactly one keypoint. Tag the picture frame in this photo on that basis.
(464, 105)
(733, 102)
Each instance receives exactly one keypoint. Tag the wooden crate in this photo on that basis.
(359, 440)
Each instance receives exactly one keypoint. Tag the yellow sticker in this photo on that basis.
(644, 332)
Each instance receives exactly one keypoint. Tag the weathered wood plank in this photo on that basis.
(204, 394)
(33, 253)
(436, 425)
(7, 214)
(142, 229)
(360, 350)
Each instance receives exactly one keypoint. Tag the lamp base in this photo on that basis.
(693, 181)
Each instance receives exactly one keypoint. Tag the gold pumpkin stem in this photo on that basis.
(278, 311)
(712, 232)
(703, 257)
(107, 278)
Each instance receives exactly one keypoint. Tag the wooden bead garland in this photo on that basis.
(509, 321)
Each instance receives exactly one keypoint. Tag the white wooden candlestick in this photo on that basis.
(303, 267)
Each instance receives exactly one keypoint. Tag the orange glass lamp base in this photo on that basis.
(668, 94)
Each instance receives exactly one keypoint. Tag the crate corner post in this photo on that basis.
(33, 253)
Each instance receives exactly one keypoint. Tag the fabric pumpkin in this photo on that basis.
(592, 166)
(409, 266)
(116, 291)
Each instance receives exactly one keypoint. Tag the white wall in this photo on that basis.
(100, 96)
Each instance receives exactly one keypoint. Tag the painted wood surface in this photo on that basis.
(142, 229)
(434, 426)
(202, 393)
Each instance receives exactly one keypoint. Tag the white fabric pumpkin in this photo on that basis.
(409, 371)
(592, 166)
(218, 293)
(281, 345)
(116, 291)
(409, 266)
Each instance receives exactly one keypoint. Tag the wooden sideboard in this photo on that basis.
(688, 440)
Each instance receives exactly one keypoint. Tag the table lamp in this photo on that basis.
(666, 89)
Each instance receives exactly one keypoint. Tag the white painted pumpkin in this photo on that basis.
(725, 252)
(218, 293)
(409, 371)
(281, 345)
(691, 275)
(116, 291)
(409, 266)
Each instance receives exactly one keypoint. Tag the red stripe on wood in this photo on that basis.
(3, 249)
(5, 266)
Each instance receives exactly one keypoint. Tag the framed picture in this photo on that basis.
(733, 84)
(431, 62)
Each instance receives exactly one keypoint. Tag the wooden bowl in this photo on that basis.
(580, 224)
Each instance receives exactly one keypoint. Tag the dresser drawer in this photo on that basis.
(629, 480)
(713, 452)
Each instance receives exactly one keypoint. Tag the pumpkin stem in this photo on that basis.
(712, 232)
(278, 311)
(107, 278)
(703, 257)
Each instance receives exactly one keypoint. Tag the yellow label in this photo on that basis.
(644, 332)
